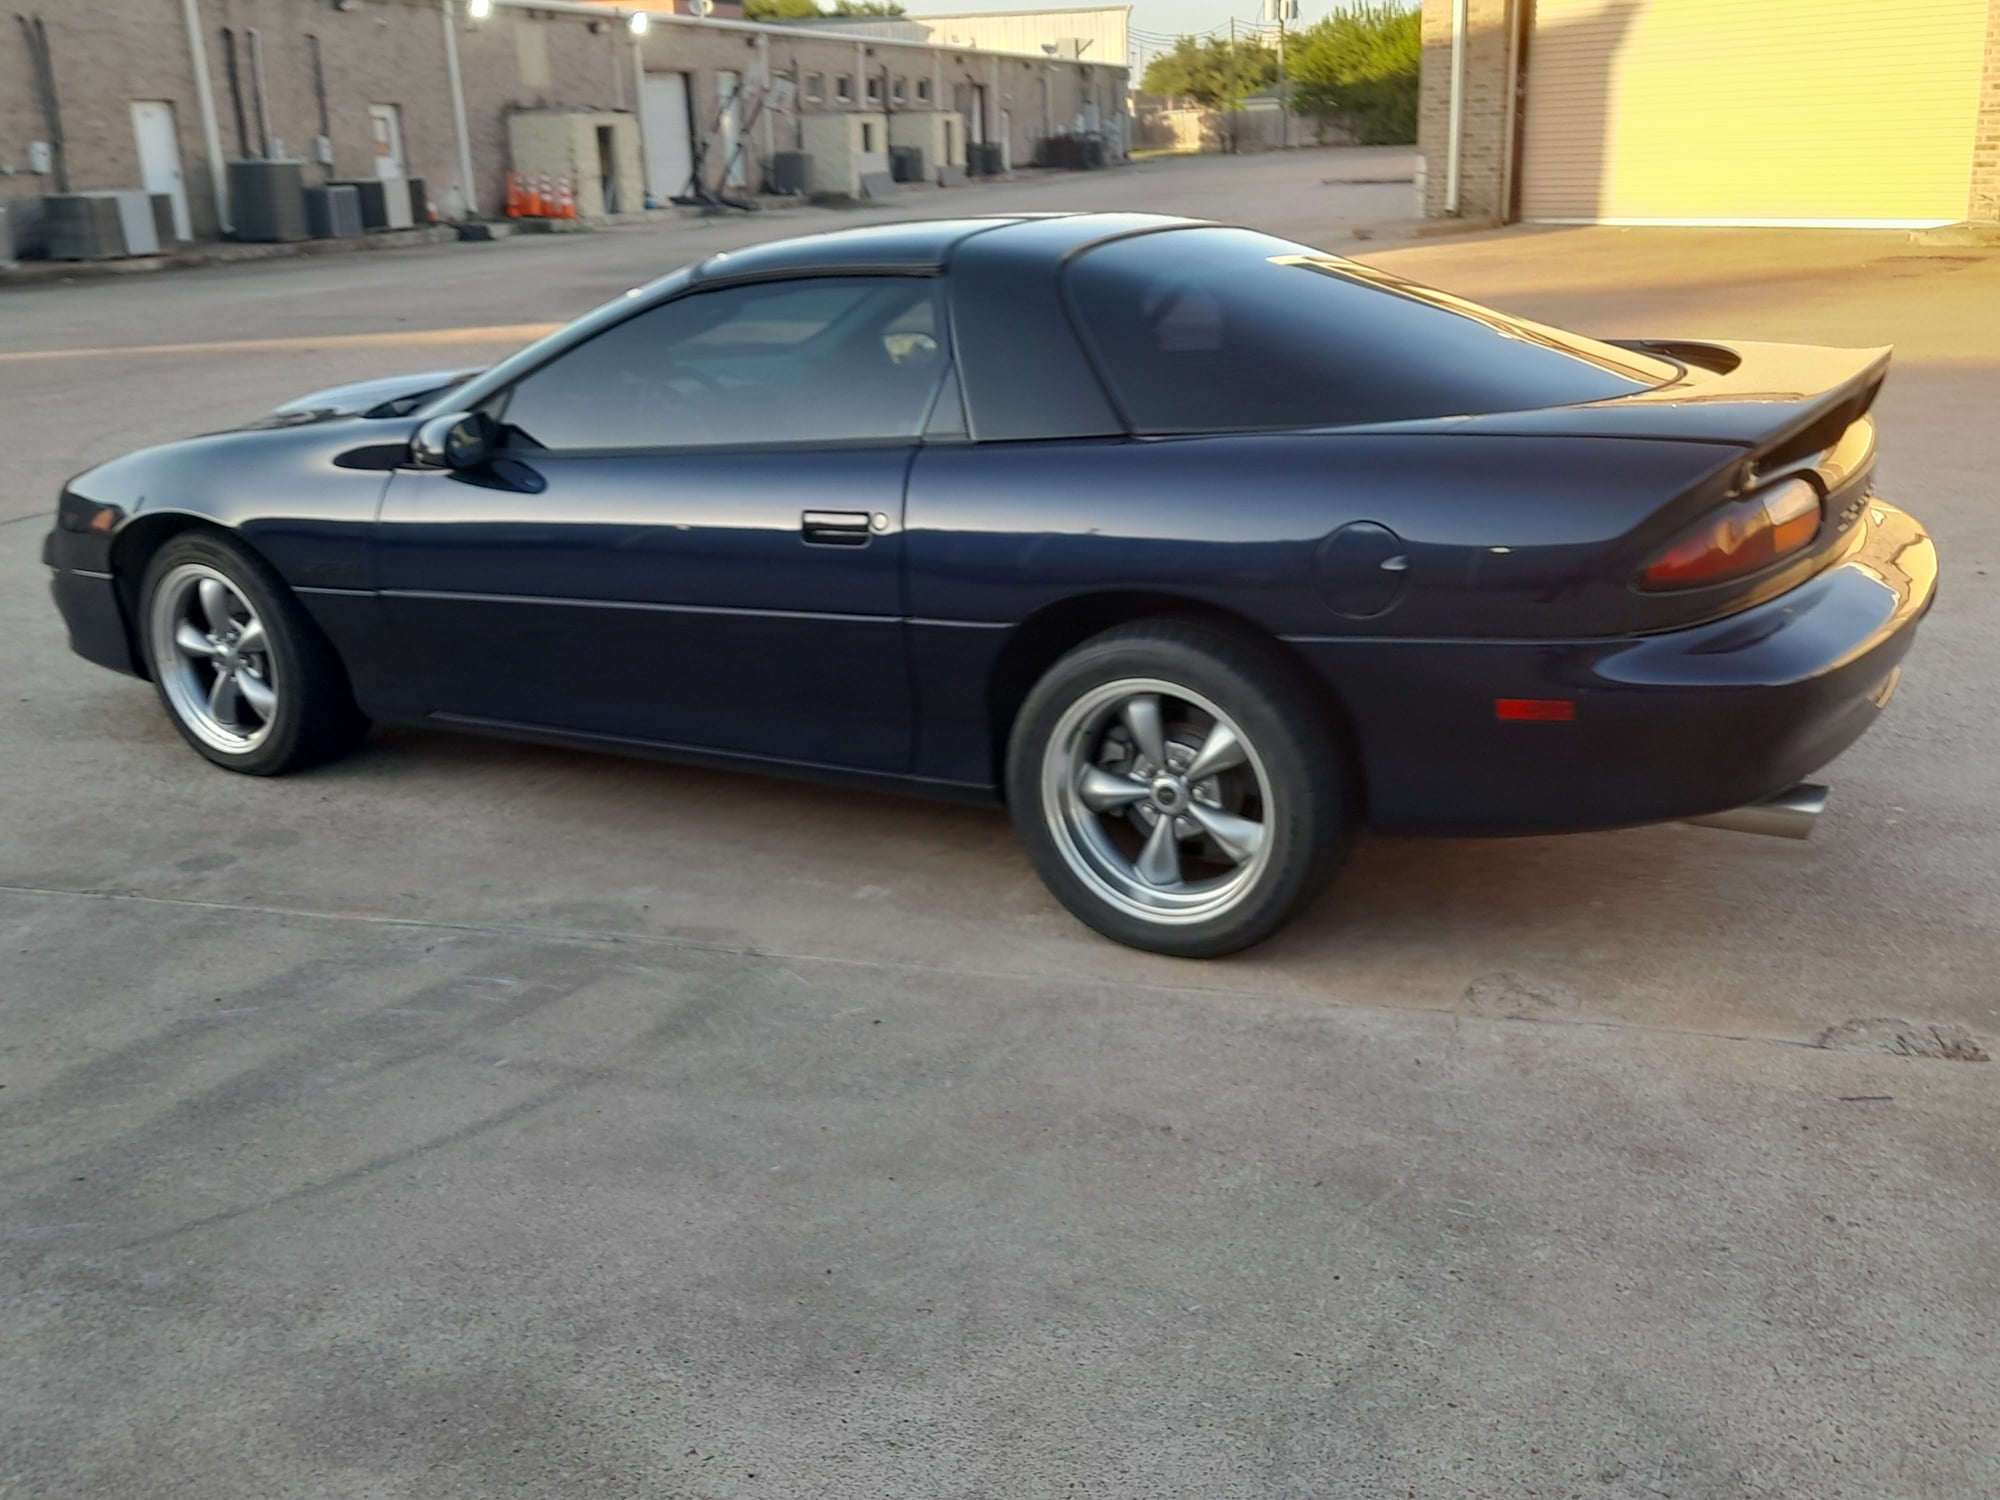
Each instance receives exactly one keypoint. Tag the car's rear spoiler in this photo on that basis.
(1783, 400)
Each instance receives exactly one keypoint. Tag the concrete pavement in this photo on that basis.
(468, 1119)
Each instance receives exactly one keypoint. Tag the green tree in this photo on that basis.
(1361, 65)
(1214, 72)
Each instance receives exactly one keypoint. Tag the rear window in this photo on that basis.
(1200, 330)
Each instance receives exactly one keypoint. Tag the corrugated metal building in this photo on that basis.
(1806, 112)
(1099, 34)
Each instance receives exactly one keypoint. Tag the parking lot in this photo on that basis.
(467, 1119)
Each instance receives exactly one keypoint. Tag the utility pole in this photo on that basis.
(1284, 98)
(1282, 11)
(1234, 102)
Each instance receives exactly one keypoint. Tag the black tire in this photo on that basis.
(312, 716)
(1291, 785)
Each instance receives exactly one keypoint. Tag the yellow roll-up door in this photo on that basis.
(1751, 111)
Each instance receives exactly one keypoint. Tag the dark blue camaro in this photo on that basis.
(1200, 548)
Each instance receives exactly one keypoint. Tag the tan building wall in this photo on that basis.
(1986, 144)
(391, 52)
(114, 53)
(1486, 138)
(1036, 97)
(107, 53)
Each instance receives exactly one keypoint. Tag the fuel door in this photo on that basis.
(1362, 570)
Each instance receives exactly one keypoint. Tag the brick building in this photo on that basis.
(373, 80)
(1805, 112)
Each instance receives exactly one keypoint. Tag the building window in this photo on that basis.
(900, 90)
(867, 138)
(923, 91)
(874, 91)
(815, 87)
(843, 89)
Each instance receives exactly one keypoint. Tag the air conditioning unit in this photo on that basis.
(83, 226)
(385, 201)
(163, 221)
(136, 222)
(791, 172)
(420, 202)
(906, 163)
(22, 222)
(333, 212)
(267, 199)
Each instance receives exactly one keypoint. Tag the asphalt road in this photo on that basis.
(473, 1120)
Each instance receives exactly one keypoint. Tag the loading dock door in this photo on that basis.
(669, 136)
(1734, 112)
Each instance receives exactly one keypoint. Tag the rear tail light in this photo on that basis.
(1750, 534)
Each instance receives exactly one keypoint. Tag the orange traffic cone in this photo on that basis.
(566, 194)
(513, 208)
(548, 196)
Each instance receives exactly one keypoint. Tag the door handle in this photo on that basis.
(835, 528)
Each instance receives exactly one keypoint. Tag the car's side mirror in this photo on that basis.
(463, 440)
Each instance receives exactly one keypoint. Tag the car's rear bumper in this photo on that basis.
(87, 599)
(1657, 727)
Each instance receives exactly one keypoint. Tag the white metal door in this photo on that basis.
(160, 157)
(387, 122)
(728, 99)
(669, 136)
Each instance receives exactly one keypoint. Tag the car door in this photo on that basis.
(694, 535)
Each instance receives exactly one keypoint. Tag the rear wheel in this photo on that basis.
(241, 669)
(1177, 788)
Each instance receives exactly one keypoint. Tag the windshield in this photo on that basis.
(533, 356)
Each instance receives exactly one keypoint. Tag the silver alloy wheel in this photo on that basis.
(213, 658)
(1157, 800)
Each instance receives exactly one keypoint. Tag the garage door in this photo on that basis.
(669, 135)
(1751, 111)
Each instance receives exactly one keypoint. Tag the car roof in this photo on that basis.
(915, 245)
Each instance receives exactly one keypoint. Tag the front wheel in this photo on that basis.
(1178, 788)
(240, 667)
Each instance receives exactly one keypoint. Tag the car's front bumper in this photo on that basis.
(1661, 727)
(88, 600)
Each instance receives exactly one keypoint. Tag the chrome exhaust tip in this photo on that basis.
(1789, 815)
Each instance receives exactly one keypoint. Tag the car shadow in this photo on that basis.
(1662, 926)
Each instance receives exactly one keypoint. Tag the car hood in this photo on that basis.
(392, 396)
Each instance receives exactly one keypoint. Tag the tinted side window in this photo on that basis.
(1215, 329)
(823, 360)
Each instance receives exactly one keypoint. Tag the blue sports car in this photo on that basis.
(1198, 549)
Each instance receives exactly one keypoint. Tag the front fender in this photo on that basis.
(305, 499)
